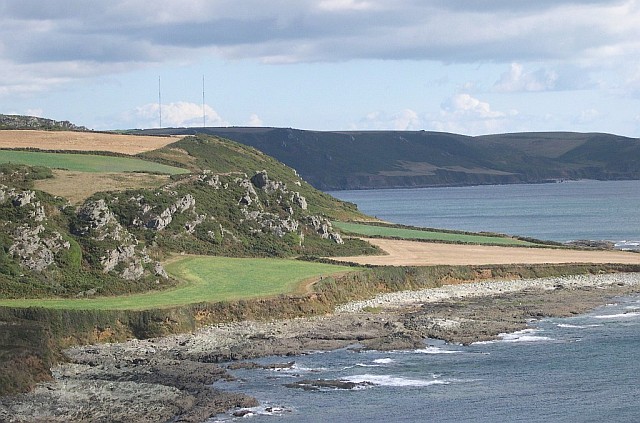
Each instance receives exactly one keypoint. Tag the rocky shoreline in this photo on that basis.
(168, 379)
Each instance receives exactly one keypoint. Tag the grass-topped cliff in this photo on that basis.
(234, 201)
(395, 159)
(105, 246)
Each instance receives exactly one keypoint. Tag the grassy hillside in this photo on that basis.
(96, 262)
(388, 159)
(235, 202)
(86, 162)
(223, 156)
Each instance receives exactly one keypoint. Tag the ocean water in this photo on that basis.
(579, 369)
(594, 210)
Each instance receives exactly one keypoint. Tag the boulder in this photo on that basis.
(299, 200)
(23, 198)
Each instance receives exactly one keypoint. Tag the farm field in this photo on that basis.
(417, 234)
(206, 279)
(415, 253)
(86, 162)
(78, 186)
(82, 141)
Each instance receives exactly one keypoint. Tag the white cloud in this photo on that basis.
(175, 114)
(342, 5)
(35, 112)
(254, 120)
(517, 79)
(466, 114)
(134, 32)
(588, 116)
(405, 120)
(466, 105)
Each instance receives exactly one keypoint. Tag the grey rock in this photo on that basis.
(33, 249)
(166, 216)
(245, 200)
(135, 270)
(120, 254)
(299, 200)
(23, 198)
(213, 180)
(323, 228)
(158, 270)
(190, 227)
(261, 181)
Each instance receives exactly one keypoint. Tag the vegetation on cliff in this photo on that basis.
(400, 159)
(235, 202)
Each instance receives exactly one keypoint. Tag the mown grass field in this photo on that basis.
(206, 279)
(417, 234)
(86, 162)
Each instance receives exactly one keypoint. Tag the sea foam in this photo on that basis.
(436, 350)
(387, 380)
(569, 326)
(618, 316)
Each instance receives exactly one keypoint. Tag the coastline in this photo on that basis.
(167, 379)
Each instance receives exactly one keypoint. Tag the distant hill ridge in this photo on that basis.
(33, 122)
(336, 160)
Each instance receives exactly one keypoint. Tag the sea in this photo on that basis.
(564, 211)
(579, 369)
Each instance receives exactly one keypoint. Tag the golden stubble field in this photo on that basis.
(77, 186)
(82, 141)
(414, 253)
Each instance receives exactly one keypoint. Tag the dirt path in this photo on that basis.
(82, 141)
(412, 253)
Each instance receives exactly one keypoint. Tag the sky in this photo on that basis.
(465, 66)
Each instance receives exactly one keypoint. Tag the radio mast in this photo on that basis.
(204, 115)
(160, 102)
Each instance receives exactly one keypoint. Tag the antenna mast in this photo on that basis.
(160, 102)
(204, 115)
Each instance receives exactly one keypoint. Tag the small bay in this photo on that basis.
(593, 210)
(561, 369)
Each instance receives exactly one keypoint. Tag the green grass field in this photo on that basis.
(205, 279)
(417, 234)
(86, 162)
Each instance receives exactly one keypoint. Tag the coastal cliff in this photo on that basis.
(340, 160)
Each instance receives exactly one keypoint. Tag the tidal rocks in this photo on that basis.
(326, 384)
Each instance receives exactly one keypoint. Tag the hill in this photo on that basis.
(233, 200)
(400, 159)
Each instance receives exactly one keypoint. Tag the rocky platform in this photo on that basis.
(168, 379)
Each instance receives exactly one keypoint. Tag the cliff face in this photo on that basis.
(400, 159)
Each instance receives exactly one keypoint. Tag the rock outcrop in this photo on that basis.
(33, 122)
(34, 244)
(128, 259)
(35, 247)
(166, 216)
